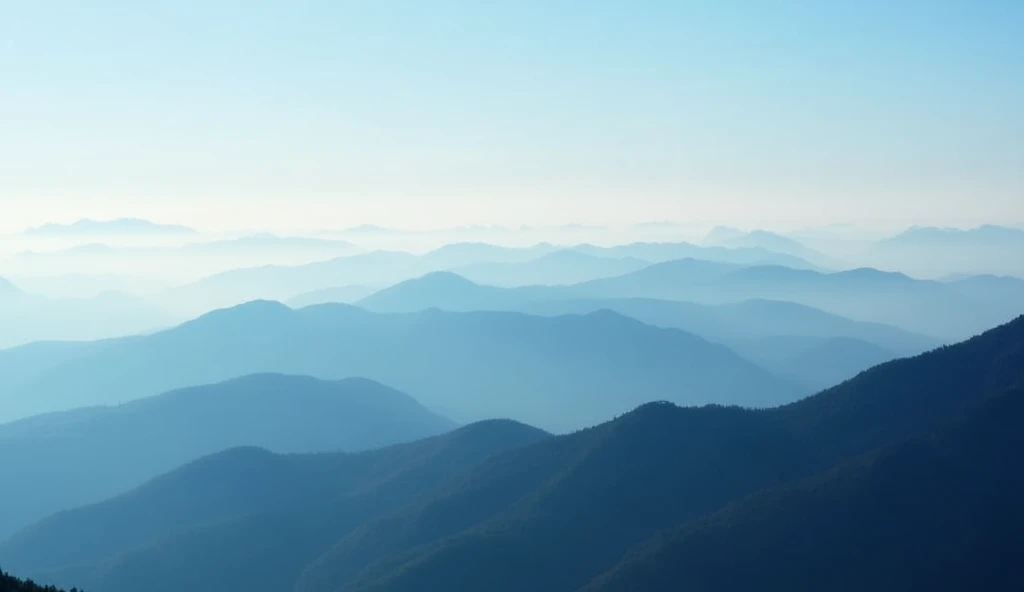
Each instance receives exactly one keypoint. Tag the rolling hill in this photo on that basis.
(559, 373)
(63, 460)
(557, 525)
(300, 500)
(813, 348)
(557, 513)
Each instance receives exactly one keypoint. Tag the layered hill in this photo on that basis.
(557, 525)
(558, 373)
(566, 512)
(245, 515)
(63, 460)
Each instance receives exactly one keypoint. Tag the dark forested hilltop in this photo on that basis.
(937, 512)
(257, 517)
(551, 526)
(9, 583)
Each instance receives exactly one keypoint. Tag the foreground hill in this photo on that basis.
(10, 583)
(558, 524)
(245, 515)
(550, 514)
(558, 373)
(63, 460)
(937, 512)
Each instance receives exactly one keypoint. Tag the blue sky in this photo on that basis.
(430, 114)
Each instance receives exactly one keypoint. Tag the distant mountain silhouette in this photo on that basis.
(178, 263)
(813, 362)
(926, 307)
(939, 237)
(660, 252)
(763, 239)
(278, 282)
(62, 460)
(121, 226)
(9, 290)
(938, 512)
(559, 373)
(557, 513)
(447, 291)
(541, 263)
(668, 280)
(937, 252)
(228, 502)
(744, 321)
(556, 268)
(813, 348)
(1000, 291)
(650, 296)
(465, 253)
(25, 317)
(339, 294)
(86, 285)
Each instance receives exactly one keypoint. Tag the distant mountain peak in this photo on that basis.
(443, 278)
(931, 234)
(256, 312)
(8, 288)
(119, 226)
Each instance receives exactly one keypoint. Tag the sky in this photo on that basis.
(428, 114)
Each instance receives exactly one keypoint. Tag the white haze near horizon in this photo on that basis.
(156, 257)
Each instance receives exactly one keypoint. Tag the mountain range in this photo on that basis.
(506, 266)
(121, 226)
(559, 373)
(771, 241)
(937, 252)
(906, 473)
(941, 310)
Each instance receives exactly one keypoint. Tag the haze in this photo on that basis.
(351, 296)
